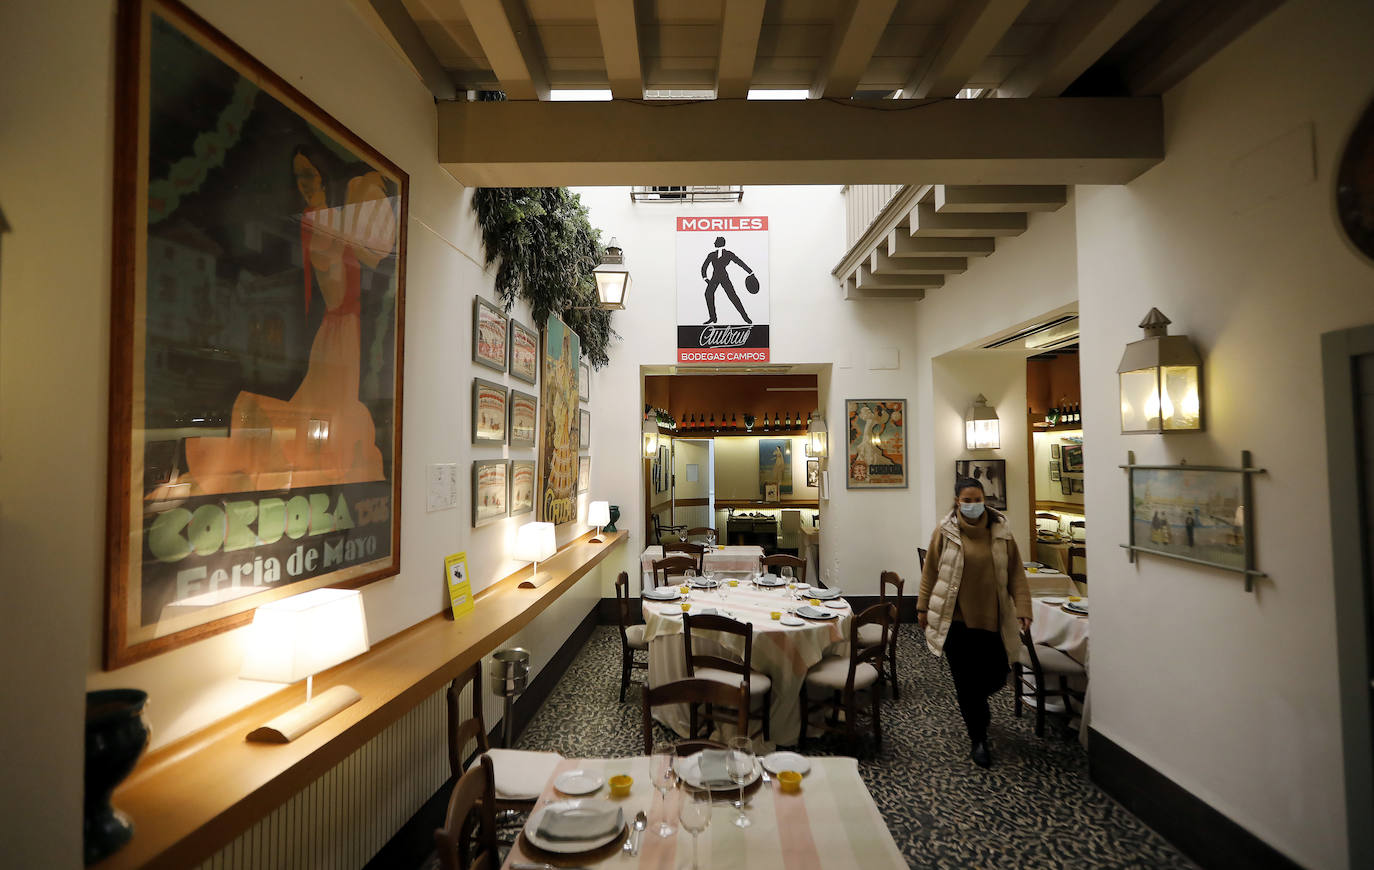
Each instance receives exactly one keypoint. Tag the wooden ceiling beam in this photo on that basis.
(980, 198)
(411, 42)
(974, 31)
(526, 144)
(858, 27)
(739, 47)
(1078, 41)
(615, 20)
(509, 41)
(1186, 42)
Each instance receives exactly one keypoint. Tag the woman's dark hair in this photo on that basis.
(963, 483)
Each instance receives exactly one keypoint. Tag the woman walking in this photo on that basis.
(974, 603)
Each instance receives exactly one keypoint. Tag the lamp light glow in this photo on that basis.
(598, 514)
(612, 278)
(817, 439)
(1161, 381)
(982, 429)
(535, 542)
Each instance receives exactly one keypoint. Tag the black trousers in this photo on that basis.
(978, 663)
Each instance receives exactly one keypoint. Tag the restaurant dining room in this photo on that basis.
(518, 435)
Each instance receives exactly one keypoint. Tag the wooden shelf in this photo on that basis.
(191, 797)
(745, 504)
(736, 433)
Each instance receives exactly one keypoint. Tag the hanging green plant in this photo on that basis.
(547, 249)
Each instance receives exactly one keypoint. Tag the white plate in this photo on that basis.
(777, 762)
(689, 771)
(792, 621)
(578, 782)
(566, 847)
(838, 605)
(814, 613)
(768, 581)
(824, 594)
(702, 583)
(663, 595)
(1054, 602)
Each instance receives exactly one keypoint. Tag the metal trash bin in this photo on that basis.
(509, 672)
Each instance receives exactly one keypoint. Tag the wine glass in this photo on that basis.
(665, 780)
(740, 767)
(790, 580)
(695, 816)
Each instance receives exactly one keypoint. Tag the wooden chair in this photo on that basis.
(1079, 577)
(662, 532)
(631, 636)
(695, 551)
(728, 671)
(673, 566)
(782, 560)
(692, 693)
(870, 633)
(473, 730)
(841, 678)
(691, 747)
(473, 794)
(1040, 662)
(711, 538)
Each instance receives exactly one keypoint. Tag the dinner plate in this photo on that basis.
(689, 771)
(1054, 602)
(777, 762)
(1074, 609)
(768, 580)
(838, 605)
(792, 621)
(666, 594)
(703, 583)
(569, 847)
(824, 594)
(578, 782)
(814, 613)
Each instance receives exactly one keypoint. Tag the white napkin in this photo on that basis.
(520, 774)
(712, 766)
(585, 821)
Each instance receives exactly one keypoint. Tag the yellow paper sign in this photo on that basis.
(459, 587)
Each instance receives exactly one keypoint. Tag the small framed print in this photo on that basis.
(584, 382)
(584, 473)
(488, 412)
(1054, 470)
(488, 334)
(813, 472)
(1065, 484)
(771, 493)
(522, 473)
(490, 490)
(524, 351)
(584, 430)
(1054, 450)
(524, 418)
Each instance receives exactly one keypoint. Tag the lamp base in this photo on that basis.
(293, 723)
(596, 539)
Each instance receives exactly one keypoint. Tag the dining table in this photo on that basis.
(784, 652)
(831, 821)
(1053, 626)
(735, 560)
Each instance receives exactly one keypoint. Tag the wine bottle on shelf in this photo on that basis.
(765, 421)
(777, 423)
(787, 421)
(734, 423)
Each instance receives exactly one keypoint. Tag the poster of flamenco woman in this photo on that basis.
(558, 438)
(256, 356)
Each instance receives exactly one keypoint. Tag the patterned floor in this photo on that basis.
(1036, 808)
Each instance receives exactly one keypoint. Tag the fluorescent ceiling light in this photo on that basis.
(570, 96)
(767, 94)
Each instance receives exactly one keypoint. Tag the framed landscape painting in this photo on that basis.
(488, 334)
(524, 351)
(1190, 513)
(876, 444)
(256, 341)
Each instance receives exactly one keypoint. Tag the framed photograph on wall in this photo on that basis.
(490, 490)
(813, 472)
(584, 382)
(876, 444)
(584, 473)
(584, 430)
(775, 464)
(524, 419)
(257, 337)
(1065, 484)
(488, 412)
(522, 477)
(991, 473)
(489, 326)
(524, 352)
(1054, 470)
(1054, 451)
(1071, 456)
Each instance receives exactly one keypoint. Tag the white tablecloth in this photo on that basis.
(732, 560)
(784, 653)
(1068, 633)
(1043, 582)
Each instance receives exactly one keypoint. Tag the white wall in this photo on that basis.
(1233, 695)
(687, 452)
(737, 469)
(863, 533)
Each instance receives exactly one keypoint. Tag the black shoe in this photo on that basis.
(981, 755)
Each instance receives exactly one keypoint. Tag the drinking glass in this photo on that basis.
(740, 766)
(695, 816)
(665, 780)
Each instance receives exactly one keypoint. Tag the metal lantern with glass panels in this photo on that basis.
(982, 429)
(816, 437)
(1161, 381)
(612, 278)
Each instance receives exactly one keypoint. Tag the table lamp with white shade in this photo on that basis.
(296, 638)
(599, 514)
(535, 542)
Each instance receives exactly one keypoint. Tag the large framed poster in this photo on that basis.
(775, 464)
(876, 439)
(256, 351)
(558, 436)
(722, 289)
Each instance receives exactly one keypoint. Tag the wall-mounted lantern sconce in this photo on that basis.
(817, 439)
(1161, 381)
(650, 435)
(612, 278)
(982, 429)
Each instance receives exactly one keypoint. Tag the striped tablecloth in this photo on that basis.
(831, 822)
(782, 652)
(732, 559)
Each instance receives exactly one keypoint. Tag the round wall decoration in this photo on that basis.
(1355, 185)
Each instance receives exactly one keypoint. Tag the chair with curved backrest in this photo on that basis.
(684, 748)
(474, 793)
(841, 678)
(1038, 663)
(692, 693)
(1080, 577)
(725, 670)
(664, 534)
(673, 566)
(703, 535)
(519, 774)
(782, 560)
(631, 636)
(870, 633)
(695, 551)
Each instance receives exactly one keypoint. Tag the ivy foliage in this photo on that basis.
(547, 249)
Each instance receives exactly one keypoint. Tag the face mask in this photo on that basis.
(971, 510)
